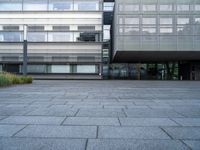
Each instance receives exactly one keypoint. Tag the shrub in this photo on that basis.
(4, 81)
(9, 79)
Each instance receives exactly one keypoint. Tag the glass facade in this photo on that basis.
(156, 25)
(50, 5)
(64, 36)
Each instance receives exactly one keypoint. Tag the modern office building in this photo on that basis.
(139, 39)
(159, 38)
(64, 37)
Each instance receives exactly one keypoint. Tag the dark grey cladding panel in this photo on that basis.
(154, 56)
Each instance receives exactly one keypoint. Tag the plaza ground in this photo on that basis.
(100, 115)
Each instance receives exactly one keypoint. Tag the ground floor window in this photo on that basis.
(53, 68)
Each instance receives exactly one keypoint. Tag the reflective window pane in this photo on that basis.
(60, 5)
(149, 7)
(197, 7)
(183, 21)
(60, 37)
(86, 37)
(183, 7)
(11, 36)
(88, 5)
(129, 30)
(166, 7)
(149, 20)
(10, 5)
(148, 30)
(166, 30)
(37, 36)
(60, 69)
(33, 5)
(131, 20)
(86, 69)
(131, 7)
(166, 21)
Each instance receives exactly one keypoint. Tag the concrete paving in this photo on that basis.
(100, 115)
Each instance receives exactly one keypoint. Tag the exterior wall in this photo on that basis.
(157, 25)
(59, 32)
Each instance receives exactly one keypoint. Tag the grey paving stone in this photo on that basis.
(132, 132)
(91, 121)
(41, 144)
(147, 122)
(58, 131)
(59, 112)
(193, 144)
(129, 144)
(185, 133)
(9, 130)
(32, 120)
(101, 113)
(188, 121)
(7, 111)
(2, 117)
(151, 113)
(188, 111)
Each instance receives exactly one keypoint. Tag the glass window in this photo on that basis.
(166, 21)
(88, 5)
(197, 7)
(33, 5)
(86, 28)
(60, 28)
(86, 37)
(131, 20)
(11, 28)
(148, 30)
(60, 37)
(166, 30)
(168, 42)
(183, 21)
(185, 30)
(86, 69)
(149, 20)
(60, 69)
(131, 7)
(36, 68)
(11, 36)
(60, 5)
(35, 28)
(168, 7)
(10, 5)
(37, 36)
(197, 20)
(131, 30)
(108, 6)
(149, 7)
(121, 20)
(183, 7)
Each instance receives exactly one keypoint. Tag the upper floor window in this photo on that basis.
(166, 20)
(10, 5)
(183, 7)
(60, 5)
(149, 7)
(149, 20)
(183, 20)
(108, 6)
(131, 7)
(34, 5)
(87, 5)
(86, 28)
(131, 20)
(197, 7)
(168, 7)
